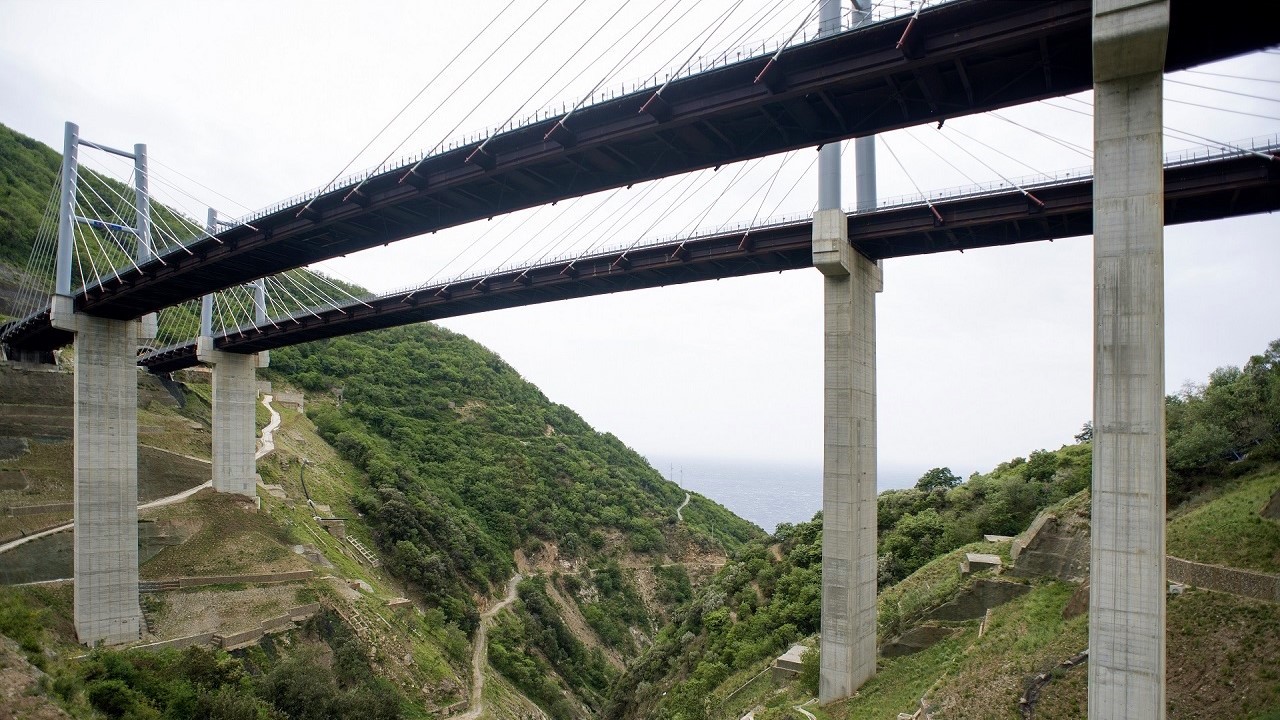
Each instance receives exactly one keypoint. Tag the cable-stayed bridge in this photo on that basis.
(961, 57)
(946, 61)
(1199, 186)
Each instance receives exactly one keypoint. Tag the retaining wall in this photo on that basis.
(1246, 583)
(163, 584)
(43, 509)
(239, 639)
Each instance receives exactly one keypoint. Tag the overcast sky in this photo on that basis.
(982, 356)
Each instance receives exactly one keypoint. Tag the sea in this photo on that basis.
(766, 493)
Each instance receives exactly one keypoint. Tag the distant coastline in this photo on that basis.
(764, 493)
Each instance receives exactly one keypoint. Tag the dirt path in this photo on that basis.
(268, 444)
(481, 652)
(680, 515)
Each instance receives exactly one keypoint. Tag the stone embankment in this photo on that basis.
(1057, 545)
(1245, 583)
(241, 638)
(178, 583)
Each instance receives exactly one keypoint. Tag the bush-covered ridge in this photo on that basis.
(468, 462)
(28, 171)
(768, 596)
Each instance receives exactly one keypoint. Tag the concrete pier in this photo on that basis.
(849, 459)
(1127, 585)
(106, 475)
(235, 396)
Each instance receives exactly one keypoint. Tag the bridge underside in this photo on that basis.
(959, 58)
(1193, 193)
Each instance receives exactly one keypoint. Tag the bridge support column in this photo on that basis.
(106, 475)
(1127, 585)
(235, 394)
(849, 458)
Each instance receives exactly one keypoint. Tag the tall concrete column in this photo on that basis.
(850, 284)
(106, 475)
(1127, 584)
(235, 394)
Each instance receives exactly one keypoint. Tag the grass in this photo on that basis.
(930, 586)
(900, 682)
(229, 539)
(1023, 638)
(168, 428)
(1222, 660)
(1229, 529)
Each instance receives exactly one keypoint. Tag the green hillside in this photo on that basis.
(28, 171)
(454, 470)
(466, 481)
(467, 462)
(1224, 457)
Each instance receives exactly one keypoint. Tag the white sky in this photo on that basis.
(982, 356)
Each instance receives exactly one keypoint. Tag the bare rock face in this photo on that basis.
(1079, 602)
(1056, 547)
(973, 602)
(1272, 510)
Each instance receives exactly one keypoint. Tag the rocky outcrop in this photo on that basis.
(920, 637)
(974, 601)
(1055, 545)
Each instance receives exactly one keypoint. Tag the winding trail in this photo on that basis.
(680, 515)
(266, 446)
(481, 652)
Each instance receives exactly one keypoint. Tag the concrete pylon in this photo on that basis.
(235, 394)
(106, 475)
(1127, 584)
(850, 284)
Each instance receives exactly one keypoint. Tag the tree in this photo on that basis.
(938, 479)
(1086, 432)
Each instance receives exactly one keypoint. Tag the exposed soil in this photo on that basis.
(480, 653)
(19, 687)
(191, 612)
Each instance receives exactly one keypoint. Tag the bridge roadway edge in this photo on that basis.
(1017, 53)
(1212, 189)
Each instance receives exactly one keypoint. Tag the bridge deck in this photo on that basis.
(1213, 189)
(961, 57)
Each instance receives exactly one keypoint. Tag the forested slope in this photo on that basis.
(1224, 469)
(461, 467)
(467, 462)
